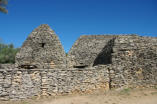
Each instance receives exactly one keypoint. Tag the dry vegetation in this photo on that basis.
(125, 96)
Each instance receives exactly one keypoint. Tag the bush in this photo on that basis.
(7, 53)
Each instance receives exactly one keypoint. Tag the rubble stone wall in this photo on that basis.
(131, 59)
(134, 62)
(7, 66)
(26, 83)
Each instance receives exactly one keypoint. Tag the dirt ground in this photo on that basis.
(125, 96)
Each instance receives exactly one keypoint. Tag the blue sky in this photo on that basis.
(72, 18)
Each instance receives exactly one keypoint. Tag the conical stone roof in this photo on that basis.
(42, 49)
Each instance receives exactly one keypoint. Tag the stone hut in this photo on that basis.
(93, 50)
(90, 50)
(42, 49)
(130, 59)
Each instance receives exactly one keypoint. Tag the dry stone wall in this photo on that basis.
(131, 59)
(94, 62)
(7, 66)
(134, 61)
(26, 83)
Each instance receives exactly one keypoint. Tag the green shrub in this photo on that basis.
(7, 53)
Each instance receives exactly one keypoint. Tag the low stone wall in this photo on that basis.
(24, 83)
(7, 66)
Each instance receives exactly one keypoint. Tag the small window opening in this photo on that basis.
(42, 45)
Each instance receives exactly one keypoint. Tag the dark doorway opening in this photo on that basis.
(105, 56)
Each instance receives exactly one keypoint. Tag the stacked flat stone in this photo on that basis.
(94, 62)
(23, 83)
(131, 59)
(42, 49)
(7, 66)
(134, 61)
(87, 48)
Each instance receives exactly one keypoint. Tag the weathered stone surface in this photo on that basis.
(134, 61)
(26, 83)
(90, 50)
(131, 59)
(7, 66)
(94, 62)
(42, 49)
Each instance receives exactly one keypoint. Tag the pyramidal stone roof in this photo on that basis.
(42, 49)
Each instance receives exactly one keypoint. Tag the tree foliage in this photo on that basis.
(3, 4)
(7, 53)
